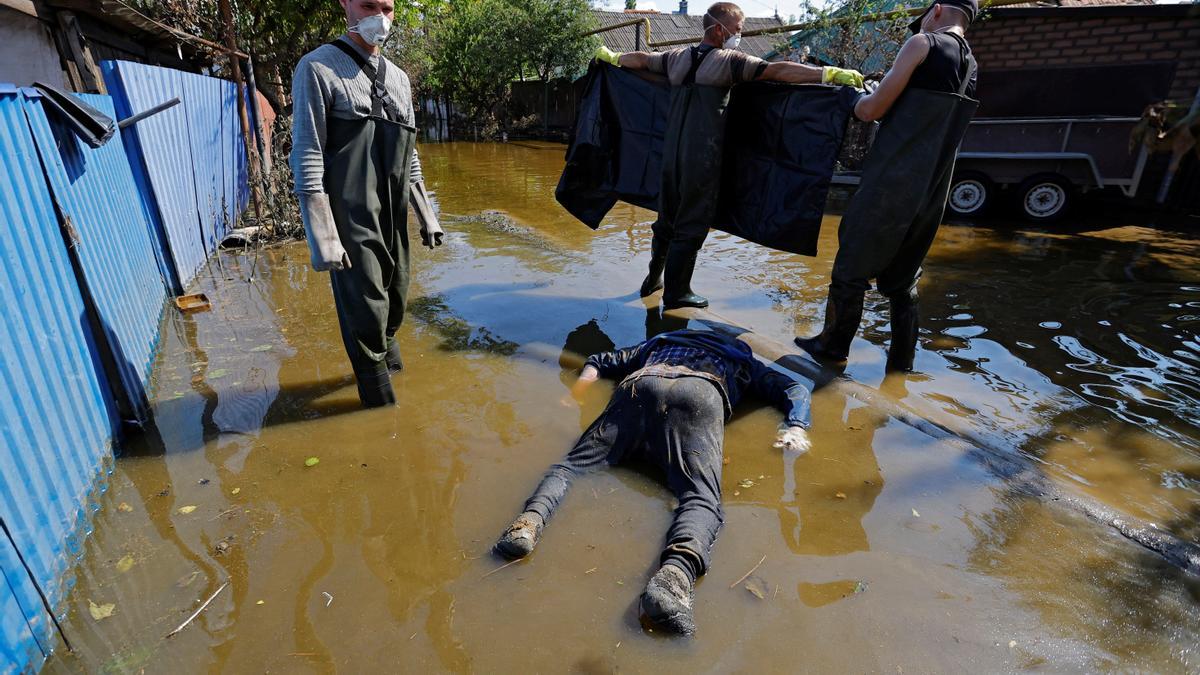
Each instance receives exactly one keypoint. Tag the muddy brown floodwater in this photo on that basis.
(882, 549)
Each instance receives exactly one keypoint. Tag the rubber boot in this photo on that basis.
(394, 363)
(668, 599)
(681, 262)
(843, 313)
(520, 537)
(905, 313)
(658, 262)
(375, 387)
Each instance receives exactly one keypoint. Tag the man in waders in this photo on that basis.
(925, 103)
(691, 173)
(356, 167)
(676, 392)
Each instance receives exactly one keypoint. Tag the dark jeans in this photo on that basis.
(677, 424)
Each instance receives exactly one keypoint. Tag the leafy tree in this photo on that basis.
(630, 4)
(550, 39)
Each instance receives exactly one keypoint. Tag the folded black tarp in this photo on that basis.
(781, 143)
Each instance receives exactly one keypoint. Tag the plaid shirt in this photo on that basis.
(728, 364)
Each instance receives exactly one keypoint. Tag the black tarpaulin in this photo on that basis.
(781, 144)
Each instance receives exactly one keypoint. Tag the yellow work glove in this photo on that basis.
(608, 56)
(842, 76)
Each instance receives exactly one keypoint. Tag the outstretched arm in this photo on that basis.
(792, 397)
(801, 73)
(876, 104)
(634, 60)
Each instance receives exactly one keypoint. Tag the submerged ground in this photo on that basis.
(881, 550)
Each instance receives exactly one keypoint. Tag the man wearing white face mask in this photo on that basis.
(700, 79)
(356, 168)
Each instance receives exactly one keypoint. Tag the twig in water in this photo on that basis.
(328, 598)
(197, 612)
(508, 564)
(747, 574)
(224, 513)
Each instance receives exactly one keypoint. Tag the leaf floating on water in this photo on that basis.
(234, 491)
(312, 461)
(124, 507)
(261, 602)
(101, 612)
(747, 483)
(915, 514)
(187, 509)
(840, 495)
(757, 587)
(263, 348)
(125, 564)
(1012, 644)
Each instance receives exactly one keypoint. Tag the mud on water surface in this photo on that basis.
(881, 549)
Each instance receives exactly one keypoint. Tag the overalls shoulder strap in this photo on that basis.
(697, 59)
(970, 66)
(379, 95)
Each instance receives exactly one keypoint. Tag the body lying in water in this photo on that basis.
(676, 392)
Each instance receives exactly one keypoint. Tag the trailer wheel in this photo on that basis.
(1045, 197)
(970, 193)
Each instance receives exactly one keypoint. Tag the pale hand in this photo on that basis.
(793, 439)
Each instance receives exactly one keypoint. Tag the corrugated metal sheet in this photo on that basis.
(192, 157)
(96, 190)
(666, 27)
(56, 414)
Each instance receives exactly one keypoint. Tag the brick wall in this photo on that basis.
(1017, 40)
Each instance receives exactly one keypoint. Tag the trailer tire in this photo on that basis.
(1046, 197)
(971, 193)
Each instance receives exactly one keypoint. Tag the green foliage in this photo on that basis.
(845, 35)
(479, 47)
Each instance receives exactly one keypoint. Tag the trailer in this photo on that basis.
(1043, 163)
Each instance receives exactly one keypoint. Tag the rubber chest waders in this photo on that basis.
(691, 176)
(892, 219)
(367, 164)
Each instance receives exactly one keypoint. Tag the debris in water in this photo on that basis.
(915, 514)
(125, 563)
(218, 373)
(261, 602)
(263, 348)
(757, 587)
(860, 587)
(312, 461)
(1012, 644)
(328, 598)
(234, 491)
(747, 574)
(101, 612)
(187, 509)
(204, 481)
(746, 483)
(591, 570)
(510, 564)
(197, 612)
(725, 461)
(222, 547)
(840, 495)
(124, 507)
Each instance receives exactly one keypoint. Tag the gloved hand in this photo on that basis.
(431, 230)
(794, 439)
(608, 56)
(324, 245)
(842, 76)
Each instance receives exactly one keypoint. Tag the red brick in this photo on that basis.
(1092, 23)
(1161, 25)
(1072, 52)
(1085, 42)
(1169, 35)
(1124, 49)
(1014, 63)
(1107, 58)
(1163, 55)
(1057, 61)
(1112, 39)
(1098, 50)
(1107, 30)
(1079, 32)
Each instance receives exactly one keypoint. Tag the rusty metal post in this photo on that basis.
(251, 155)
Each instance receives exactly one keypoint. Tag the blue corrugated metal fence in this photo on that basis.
(92, 242)
(191, 157)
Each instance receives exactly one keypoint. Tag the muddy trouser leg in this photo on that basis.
(362, 301)
(603, 444)
(686, 438)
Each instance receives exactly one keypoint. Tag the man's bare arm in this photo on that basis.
(635, 60)
(876, 104)
(792, 73)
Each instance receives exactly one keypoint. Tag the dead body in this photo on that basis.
(676, 392)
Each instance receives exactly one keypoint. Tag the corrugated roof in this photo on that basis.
(664, 27)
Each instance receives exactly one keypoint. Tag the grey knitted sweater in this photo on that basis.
(328, 83)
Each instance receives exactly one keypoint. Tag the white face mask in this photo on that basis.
(732, 41)
(374, 29)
